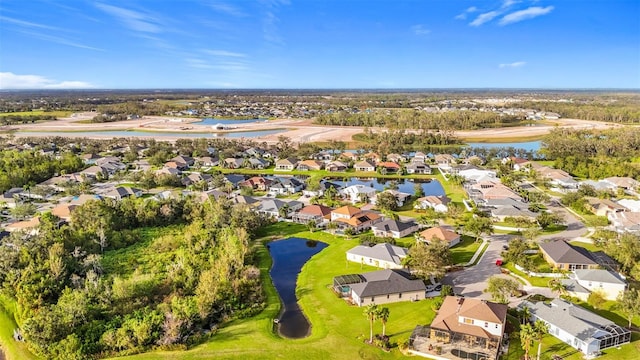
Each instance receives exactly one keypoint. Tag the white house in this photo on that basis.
(437, 203)
(607, 283)
(383, 255)
(394, 228)
(583, 330)
(356, 193)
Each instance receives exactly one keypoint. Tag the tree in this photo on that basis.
(500, 288)
(527, 335)
(596, 299)
(386, 201)
(540, 329)
(383, 315)
(446, 290)
(629, 303)
(478, 226)
(546, 219)
(557, 286)
(418, 192)
(525, 315)
(23, 211)
(371, 311)
(426, 260)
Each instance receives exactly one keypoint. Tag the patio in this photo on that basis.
(455, 346)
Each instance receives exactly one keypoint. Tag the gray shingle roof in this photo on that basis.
(564, 253)
(384, 252)
(571, 318)
(394, 225)
(387, 282)
(604, 276)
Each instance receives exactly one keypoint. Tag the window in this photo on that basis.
(496, 326)
(468, 321)
(400, 296)
(387, 296)
(373, 298)
(486, 324)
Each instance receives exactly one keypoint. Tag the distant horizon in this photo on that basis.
(299, 44)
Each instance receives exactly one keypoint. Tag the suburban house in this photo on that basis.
(488, 190)
(246, 200)
(207, 161)
(285, 186)
(286, 164)
(184, 161)
(364, 166)
(517, 164)
(419, 156)
(372, 157)
(28, 226)
(323, 156)
(602, 207)
(450, 237)
(354, 218)
(316, 213)
(122, 192)
(310, 165)
(583, 282)
(558, 178)
(630, 205)
(625, 221)
(477, 326)
(396, 158)
(194, 178)
(473, 173)
(256, 163)
(63, 211)
(379, 287)
(583, 330)
(625, 183)
(394, 228)
(437, 203)
(11, 197)
(233, 163)
(95, 172)
(278, 208)
(349, 156)
(382, 255)
(257, 183)
(323, 186)
(562, 255)
(445, 160)
(358, 193)
(336, 166)
(418, 167)
(388, 167)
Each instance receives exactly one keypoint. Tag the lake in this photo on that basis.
(526, 145)
(135, 133)
(213, 121)
(289, 256)
(432, 187)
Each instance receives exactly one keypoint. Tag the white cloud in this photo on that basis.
(529, 13)
(484, 17)
(227, 9)
(463, 15)
(508, 3)
(198, 64)
(134, 20)
(23, 23)
(59, 40)
(420, 30)
(224, 53)
(10, 80)
(472, 9)
(516, 64)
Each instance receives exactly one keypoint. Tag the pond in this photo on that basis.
(214, 121)
(289, 256)
(526, 145)
(430, 187)
(135, 133)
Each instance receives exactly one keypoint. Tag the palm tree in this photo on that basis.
(383, 315)
(371, 311)
(557, 286)
(540, 328)
(527, 334)
(525, 314)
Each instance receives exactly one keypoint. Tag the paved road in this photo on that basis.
(472, 281)
(575, 227)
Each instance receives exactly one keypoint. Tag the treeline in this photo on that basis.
(18, 119)
(618, 112)
(415, 119)
(120, 111)
(111, 284)
(400, 141)
(594, 154)
(624, 248)
(18, 168)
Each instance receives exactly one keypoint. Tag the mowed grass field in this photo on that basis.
(338, 329)
(58, 114)
(13, 350)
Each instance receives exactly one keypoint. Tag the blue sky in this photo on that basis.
(319, 44)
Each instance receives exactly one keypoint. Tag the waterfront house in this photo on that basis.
(394, 228)
(380, 287)
(316, 213)
(364, 166)
(286, 164)
(382, 255)
(440, 233)
(437, 203)
(307, 165)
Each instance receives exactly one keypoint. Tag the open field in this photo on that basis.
(60, 114)
(13, 350)
(298, 130)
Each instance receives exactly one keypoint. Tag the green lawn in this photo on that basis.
(13, 350)
(534, 280)
(338, 329)
(463, 252)
(37, 112)
(588, 246)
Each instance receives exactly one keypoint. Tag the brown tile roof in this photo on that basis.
(453, 307)
(63, 211)
(347, 210)
(357, 220)
(316, 210)
(389, 165)
(440, 233)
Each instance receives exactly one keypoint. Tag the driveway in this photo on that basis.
(575, 227)
(472, 281)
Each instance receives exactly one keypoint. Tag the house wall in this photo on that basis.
(490, 327)
(610, 291)
(390, 298)
(584, 347)
(373, 262)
